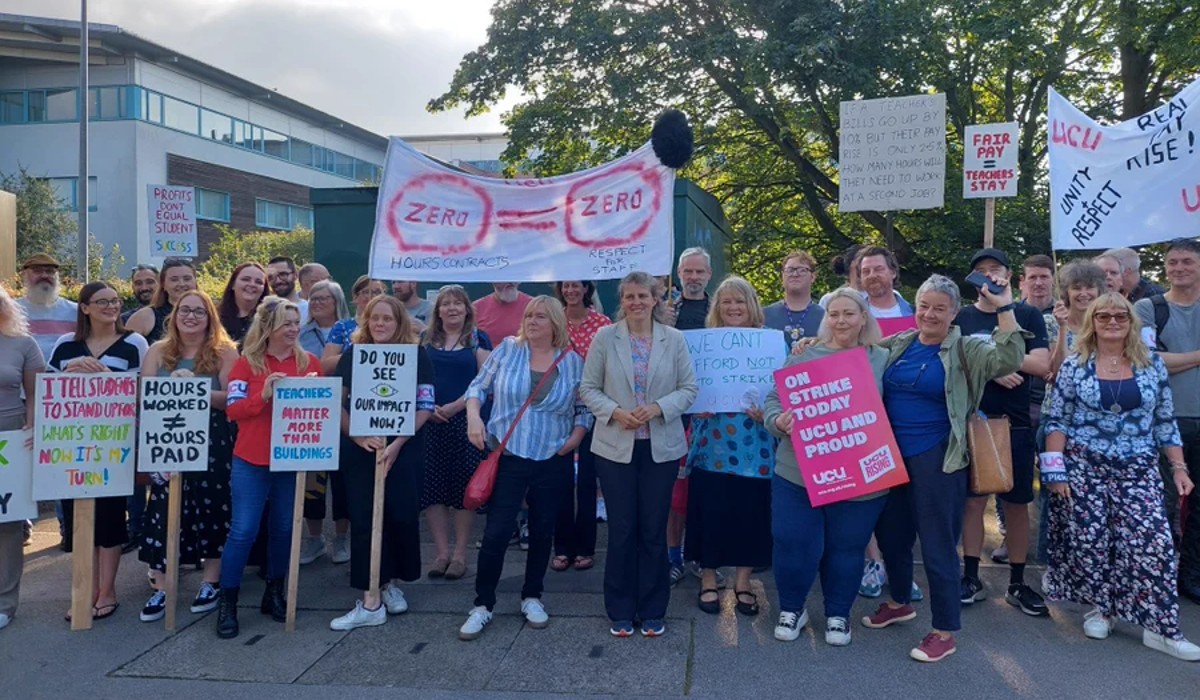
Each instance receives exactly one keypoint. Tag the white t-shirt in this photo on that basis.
(896, 311)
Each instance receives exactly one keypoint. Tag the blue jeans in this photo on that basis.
(929, 506)
(828, 540)
(250, 488)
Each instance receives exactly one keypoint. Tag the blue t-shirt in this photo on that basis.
(914, 393)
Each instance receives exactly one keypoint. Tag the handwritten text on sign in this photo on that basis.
(306, 417)
(1132, 183)
(84, 435)
(384, 390)
(842, 437)
(173, 425)
(892, 154)
(990, 161)
(433, 223)
(16, 478)
(172, 217)
(733, 366)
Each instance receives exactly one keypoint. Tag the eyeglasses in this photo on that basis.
(105, 303)
(906, 368)
(369, 291)
(319, 299)
(795, 271)
(195, 312)
(1104, 317)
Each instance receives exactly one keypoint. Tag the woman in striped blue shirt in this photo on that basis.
(537, 459)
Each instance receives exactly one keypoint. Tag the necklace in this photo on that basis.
(1114, 368)
(794, 327)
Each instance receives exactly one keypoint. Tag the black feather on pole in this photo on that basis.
(671, 138)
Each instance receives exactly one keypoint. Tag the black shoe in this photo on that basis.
(133, 543)
(972, 590)
(273, 602)
(1022, 596)
(227, 622)
(64, 545)
(1191, 591)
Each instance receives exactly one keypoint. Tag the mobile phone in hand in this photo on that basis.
(979, 280)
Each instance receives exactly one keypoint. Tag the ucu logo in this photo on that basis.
(831, 475)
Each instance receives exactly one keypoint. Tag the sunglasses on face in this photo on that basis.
(1105, 317)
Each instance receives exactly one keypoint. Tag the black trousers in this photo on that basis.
(400, 544)
(1189, 531)
(637, 579)
(575, 531)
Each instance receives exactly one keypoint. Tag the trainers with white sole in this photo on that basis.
(360, 616)
(311, 549)
(393, 600)
(535, 613)
(1097, 625)
(787, 629)
(340, 551)
(477, 619)
(837, 632)
(207, 598)
(1179, 648)
(155, 608)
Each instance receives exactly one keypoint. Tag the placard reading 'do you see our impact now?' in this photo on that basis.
(306, 418)
(734, 366)
(173, 425)
(383, 390)
(16, 478)
(892, 154)
(85, 432)
(843, 440)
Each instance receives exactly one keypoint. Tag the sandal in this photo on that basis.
(584, 563)
(109, 609)
(560, 563)
(438, 569)
(745, 608)
(712, 607)
(456, 570)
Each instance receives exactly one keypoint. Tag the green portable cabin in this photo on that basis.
(344, 219)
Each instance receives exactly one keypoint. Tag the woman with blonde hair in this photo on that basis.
(194, 345)
(1109, 414)
(270, 352)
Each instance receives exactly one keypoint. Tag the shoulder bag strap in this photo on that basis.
(962, 361)
(529, 400)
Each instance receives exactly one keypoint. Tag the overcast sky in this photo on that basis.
(375, 63)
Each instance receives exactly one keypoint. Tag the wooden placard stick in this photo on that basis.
(174, 508)
(83, 562)
(294, 556)
(381, 471)
(989, 222)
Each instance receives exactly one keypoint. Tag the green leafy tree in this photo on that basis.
(235, 247)
(44, 223)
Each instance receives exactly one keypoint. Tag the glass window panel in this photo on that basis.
(12, 107)
(152, 106)
(271, 214)
(217, 127)
(64, 191)
(37, 105)
(275, 144)
(302, 216)
(302, 152)
(211, 204)
(61, 105)
(180, 115)
(343, 164)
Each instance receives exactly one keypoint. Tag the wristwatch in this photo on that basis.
(1006, 307)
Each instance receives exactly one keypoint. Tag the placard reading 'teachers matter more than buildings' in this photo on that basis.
(306, 419)
(892, 154)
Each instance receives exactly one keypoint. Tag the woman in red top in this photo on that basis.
(269, 353)
(575, 531)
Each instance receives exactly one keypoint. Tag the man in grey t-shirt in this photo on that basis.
(796, 314)
(1179, 346)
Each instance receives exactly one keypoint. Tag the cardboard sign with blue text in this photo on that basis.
(173, 424)
(171, 211)
(384, 390)
(306, 421)
(85, 432)
(734, 366)
(16, 478)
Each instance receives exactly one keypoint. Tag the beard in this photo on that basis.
(405, 295)
(42, 294)
(144, 296)
(507, 295)
(284, 291)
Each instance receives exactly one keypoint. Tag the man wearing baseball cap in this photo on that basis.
(1006, 396)
(49, 315)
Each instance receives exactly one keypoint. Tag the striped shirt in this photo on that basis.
(547, 424)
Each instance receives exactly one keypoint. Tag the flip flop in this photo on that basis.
(584, 563)
(560, 563)
(111, 608)
(439, 567)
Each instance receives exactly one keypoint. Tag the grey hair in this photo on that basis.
(870, 332)
(695, 250)
(1111, 256)
(339, 296)
(941, 285)
(1127, 258)
(641, 279)
(1082, 273)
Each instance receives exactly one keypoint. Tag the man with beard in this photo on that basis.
(50, 316)
(144, 280)
(416, 306)
(499, 314)
(281, 277)
(877, 273)
(695, 272)
(308, 275)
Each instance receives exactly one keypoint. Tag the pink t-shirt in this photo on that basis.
(500, 320)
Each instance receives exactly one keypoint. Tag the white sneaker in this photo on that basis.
(1179, 648)
(341, 549)
(601, 510)
(4, 620)
(477, 619)
(1097, 625)
(789, 625)
(837, 632)
(393, 600)
(535, 613)
(311, 549)
(359, 617)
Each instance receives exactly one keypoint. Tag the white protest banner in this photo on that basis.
(173, 424)
(892, 154)
(433, 223)
(16, 478)
(990, 161)
(306, 421)
(734, 366)
(85, 432)
(172, 217)
(1124, 185)
(383, 391)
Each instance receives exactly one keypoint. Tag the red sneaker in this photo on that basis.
(886, 615)
(933, 648)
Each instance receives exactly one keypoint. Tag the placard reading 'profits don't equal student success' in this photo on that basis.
(306, 418)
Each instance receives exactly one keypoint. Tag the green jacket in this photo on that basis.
(985, 361)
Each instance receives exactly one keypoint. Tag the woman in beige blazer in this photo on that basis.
(637, 382)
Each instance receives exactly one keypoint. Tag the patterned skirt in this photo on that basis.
(1110, 544)
(450, 461)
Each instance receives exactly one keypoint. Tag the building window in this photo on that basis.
(180, 115)
(12, 107)
(67, 189)
(268, 214)
(109, 103)
(212, 205)
(216, 126)
(275, 144)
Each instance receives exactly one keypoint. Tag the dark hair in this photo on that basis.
(83, 322)
(841, 264)
(283, 259)
(589, 290)
(1044, 262)
(1190, 245)
(868, 251)
(142, 267)
(161, 297)
(228, 308)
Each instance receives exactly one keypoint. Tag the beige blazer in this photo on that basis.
(608, 384)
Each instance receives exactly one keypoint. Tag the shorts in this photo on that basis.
(1023, 456)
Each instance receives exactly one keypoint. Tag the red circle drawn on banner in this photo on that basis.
(651, 180)
(417, 184)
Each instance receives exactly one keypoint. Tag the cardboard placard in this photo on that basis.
(892, 154)
(173, 424)
(16, 478)
(306, 418)
(734, 366)
(990, 160)
(172, 220)
(85, 432)
(384, 390)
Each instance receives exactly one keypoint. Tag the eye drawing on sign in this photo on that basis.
(631, 192)
(439, 213)
(384, 391)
